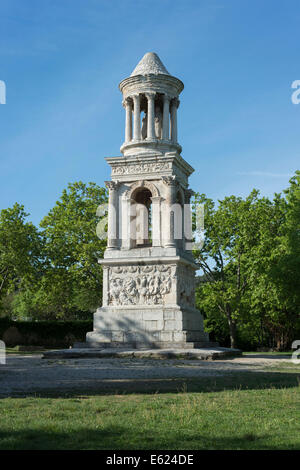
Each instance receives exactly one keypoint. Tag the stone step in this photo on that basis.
(196, 353)
(148, 345)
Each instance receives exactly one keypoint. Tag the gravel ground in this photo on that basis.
(30, 374)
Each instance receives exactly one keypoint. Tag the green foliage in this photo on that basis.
(250, 258)
(73, 279)
(59, 263)
(20, 250)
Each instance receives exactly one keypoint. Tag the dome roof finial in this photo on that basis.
(150, 63)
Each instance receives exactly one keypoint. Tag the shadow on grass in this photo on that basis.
(246, 380)
(122, 438)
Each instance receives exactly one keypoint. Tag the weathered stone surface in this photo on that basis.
(150, 63)
(201, 353)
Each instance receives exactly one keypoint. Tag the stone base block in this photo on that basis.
(158, 345)
(158, 327)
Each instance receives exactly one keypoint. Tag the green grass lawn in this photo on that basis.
(252, 410)
(16, 350)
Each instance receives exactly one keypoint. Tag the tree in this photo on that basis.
(72, 282)
(283, 270)
(288, 272)
(20, 250)
(229, 256)
(251, 262)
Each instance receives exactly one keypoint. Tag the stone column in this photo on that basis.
(170, 201)
(132, 213)
(136, 118)
(128, 223)
(150, 116)
(156, 220)
(142, 224)
(174, 106)
(112, 235)
(127, 103)
(125, 228)
(166, 113)
(187, 221)
(105, 286)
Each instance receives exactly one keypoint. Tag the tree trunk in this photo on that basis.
(232, 331)
(231, 324)
(232, 327)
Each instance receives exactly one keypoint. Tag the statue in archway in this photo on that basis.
(144, 126)
(158, 122)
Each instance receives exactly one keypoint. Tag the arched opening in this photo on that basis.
(142, 217)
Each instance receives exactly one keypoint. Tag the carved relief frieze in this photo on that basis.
(141, 168)
(139, 285)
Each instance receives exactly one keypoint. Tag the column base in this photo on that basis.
(148, 146)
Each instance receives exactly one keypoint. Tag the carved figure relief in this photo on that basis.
(139, 285)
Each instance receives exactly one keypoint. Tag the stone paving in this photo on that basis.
(24, 375)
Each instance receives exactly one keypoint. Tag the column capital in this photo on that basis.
(175, 102)
(112, 185)
(127, 101)
(169, 180)
(150, 94)
(156, 199)
(135, 96)
(188, 193)
(167, 97)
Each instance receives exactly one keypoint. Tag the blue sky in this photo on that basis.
(62, 61)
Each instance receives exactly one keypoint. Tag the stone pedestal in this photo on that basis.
(155, 327)
(148, 301)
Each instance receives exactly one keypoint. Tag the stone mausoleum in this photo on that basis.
(148, 267)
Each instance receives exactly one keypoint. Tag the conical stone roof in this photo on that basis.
(150, 63)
